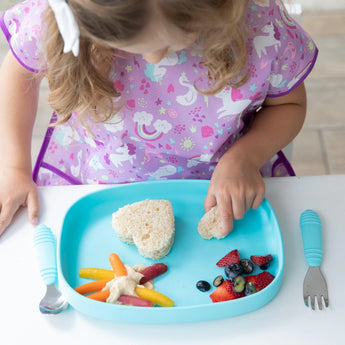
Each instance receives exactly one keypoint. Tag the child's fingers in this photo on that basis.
(33, 207)
(224, 203)
(225, 209)
(257, 201)
(238, 206)
(7, 212)
(210, 201)
(258, 196)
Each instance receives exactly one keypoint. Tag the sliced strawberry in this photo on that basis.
(231, 258)
(261, 259)
(224, 292)
(261, 280)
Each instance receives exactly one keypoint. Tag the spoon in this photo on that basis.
(45, 244)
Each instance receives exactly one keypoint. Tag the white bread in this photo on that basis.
(148, 224)
(210, 225)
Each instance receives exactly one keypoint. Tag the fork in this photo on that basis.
(314, 285)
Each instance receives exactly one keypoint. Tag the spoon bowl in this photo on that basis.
(53, 302)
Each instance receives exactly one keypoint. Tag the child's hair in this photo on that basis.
(83, 84)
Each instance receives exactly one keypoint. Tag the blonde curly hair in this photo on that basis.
(83, 84)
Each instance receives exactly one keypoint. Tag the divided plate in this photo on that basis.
(87, 239)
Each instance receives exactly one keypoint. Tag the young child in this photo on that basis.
(149, 90)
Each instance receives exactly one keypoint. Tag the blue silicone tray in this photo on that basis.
(87, 238)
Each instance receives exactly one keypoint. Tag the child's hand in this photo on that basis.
(236, 186)
(17, 189)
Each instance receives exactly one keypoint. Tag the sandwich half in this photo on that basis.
(148, 224)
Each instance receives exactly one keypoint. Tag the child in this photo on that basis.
(148, 90)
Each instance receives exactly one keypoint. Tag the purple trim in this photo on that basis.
(44, 147)
(58, 172)
(8, 37)
(41, 164)
(283, 160)
(301, 79)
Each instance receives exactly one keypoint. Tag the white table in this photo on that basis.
(285, 320)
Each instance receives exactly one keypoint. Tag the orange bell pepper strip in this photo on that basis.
(117, 265)
(100, 295)
(94, 286)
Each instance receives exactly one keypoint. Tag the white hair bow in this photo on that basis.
(67, 24)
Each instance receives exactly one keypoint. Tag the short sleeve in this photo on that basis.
(21, 26)
(281, 46)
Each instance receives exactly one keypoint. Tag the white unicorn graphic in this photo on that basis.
(230, 107)
(116, 125)
(272, 39)
(162, 172)
(67, 136)
(75, 169)
(124, 153)
(191, 96)
(95, 163)
(156, 72)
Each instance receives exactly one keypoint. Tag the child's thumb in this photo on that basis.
(210, 201)
(33, 207)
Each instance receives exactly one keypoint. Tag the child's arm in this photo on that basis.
(18, 107)
(236, 184)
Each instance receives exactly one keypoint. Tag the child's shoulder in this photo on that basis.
(26, 14)
(262, 12)
(279, 49)
(22, 27)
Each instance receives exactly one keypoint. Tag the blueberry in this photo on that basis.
(249, 289)
(218, 281)
(247, 266)
(264, 266)
(238, 284)
(233, 271)
(203, 285)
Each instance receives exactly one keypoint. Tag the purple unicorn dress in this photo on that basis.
(166, 128)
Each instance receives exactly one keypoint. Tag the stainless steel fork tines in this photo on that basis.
(314, 285)
(315, 288)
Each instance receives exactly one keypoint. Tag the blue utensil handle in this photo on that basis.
(312, 238)
(45, 245)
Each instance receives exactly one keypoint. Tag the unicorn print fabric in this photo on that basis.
(166, 129)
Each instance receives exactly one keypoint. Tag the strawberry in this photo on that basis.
(224, 292)
(261, 280)
(231, 258)
(261, 260)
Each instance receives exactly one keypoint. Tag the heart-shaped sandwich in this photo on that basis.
(210, 225)
(148, 224)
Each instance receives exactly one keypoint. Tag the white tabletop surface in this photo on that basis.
(284, 320)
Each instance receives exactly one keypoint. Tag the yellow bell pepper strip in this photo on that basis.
(154, 296)
(96, 273)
